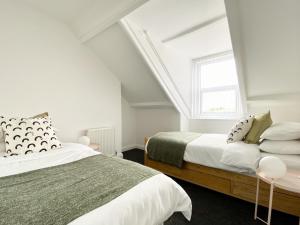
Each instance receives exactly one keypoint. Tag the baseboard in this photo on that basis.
(133, 146)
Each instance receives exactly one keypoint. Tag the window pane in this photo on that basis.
(219, 101)
(218, 73)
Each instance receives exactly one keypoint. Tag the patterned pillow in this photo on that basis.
(2, 118)
(240, 130)
(3, 122)
(23, 136)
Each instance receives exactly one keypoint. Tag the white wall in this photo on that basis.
(267, 42)
(151, 121)
(43, 67)
(128, 126)
(211, 126)
(271, 46)
(138, 123)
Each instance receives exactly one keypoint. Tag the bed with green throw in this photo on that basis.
(76, 185)
(169, 147)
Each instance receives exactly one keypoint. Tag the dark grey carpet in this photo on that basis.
(213, 208)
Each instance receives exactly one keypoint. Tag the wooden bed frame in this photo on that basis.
(231, 183)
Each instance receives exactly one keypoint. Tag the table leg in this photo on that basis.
(270, 203)
(256, 199)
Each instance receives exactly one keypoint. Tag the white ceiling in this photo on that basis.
(189, 27)
(120, 55)
(206, 41)
(85, 16)
(168, 17)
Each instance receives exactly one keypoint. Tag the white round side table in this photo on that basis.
(290, 182)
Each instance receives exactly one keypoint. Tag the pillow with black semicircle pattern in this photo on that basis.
(3, 120)
(240, 129)
(24, 136)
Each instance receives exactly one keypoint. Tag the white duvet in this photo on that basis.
(212, 150)
(151, 202)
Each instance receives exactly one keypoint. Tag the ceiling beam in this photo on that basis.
(195, 28)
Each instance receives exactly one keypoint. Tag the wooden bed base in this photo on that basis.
(234, 184)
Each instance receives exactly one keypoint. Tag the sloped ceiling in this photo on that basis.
(117, 51)
(209, 40)
(166, 18)
(194, 28)
(87, 17)
(269, 45)
(171, 33)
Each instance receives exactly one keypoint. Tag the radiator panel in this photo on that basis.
(105, 138)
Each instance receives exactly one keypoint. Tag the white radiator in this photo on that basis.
(105, 138)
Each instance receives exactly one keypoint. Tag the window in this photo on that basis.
(215, 89)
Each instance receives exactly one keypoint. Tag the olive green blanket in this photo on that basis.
(169, 147)
(60, 194)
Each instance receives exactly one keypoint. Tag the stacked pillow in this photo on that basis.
(27, 135)
(250, 129)
(282, 138)
(259, 125)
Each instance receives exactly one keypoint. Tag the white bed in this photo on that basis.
(151, 202)
(208, 150)
(292, 161)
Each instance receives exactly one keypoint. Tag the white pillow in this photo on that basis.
(282, 131)
(281, 147)
(25, 136)
(240, 129)
(241, 155)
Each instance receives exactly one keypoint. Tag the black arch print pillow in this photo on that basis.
(24, 136)
(240, 129)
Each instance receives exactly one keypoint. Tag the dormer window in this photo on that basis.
(215, 90)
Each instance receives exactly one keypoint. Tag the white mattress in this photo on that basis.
(207, 150)
(291, 161)
(151, 202)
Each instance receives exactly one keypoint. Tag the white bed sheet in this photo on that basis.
(149, 203)
(207, 150)
(291, 161)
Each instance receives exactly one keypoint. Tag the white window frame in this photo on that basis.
(197, 91)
